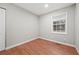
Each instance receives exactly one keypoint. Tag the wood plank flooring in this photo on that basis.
(40, 47)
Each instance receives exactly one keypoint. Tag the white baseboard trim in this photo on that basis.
(58, 42)
(77, 50)
(44, 39)
(20, 43)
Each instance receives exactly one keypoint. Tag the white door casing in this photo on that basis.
(2, 29)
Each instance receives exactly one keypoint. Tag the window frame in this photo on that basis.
(53, 19)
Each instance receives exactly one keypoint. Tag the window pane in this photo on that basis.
(58, 22)
(63, 21)
(54, 27)
(54, 22)
(63, 27)
(58, 28)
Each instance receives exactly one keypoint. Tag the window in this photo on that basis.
(59, 23)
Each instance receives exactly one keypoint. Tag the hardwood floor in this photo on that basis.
(41, 47)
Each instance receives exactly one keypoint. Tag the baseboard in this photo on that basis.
(20, 43)
(44, 39)
(41, 38)
(58, 42)
(77, 50)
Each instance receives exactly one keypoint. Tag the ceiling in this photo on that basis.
(39, 9)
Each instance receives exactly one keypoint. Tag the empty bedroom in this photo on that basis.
(39, 28)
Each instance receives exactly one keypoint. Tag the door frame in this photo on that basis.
(4, 28)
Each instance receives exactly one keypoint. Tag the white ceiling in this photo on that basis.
(39, 9)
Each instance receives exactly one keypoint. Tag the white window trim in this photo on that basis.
(65, 23)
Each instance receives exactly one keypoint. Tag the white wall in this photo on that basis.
(45, 26)
(77, 25)
(20, 25)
